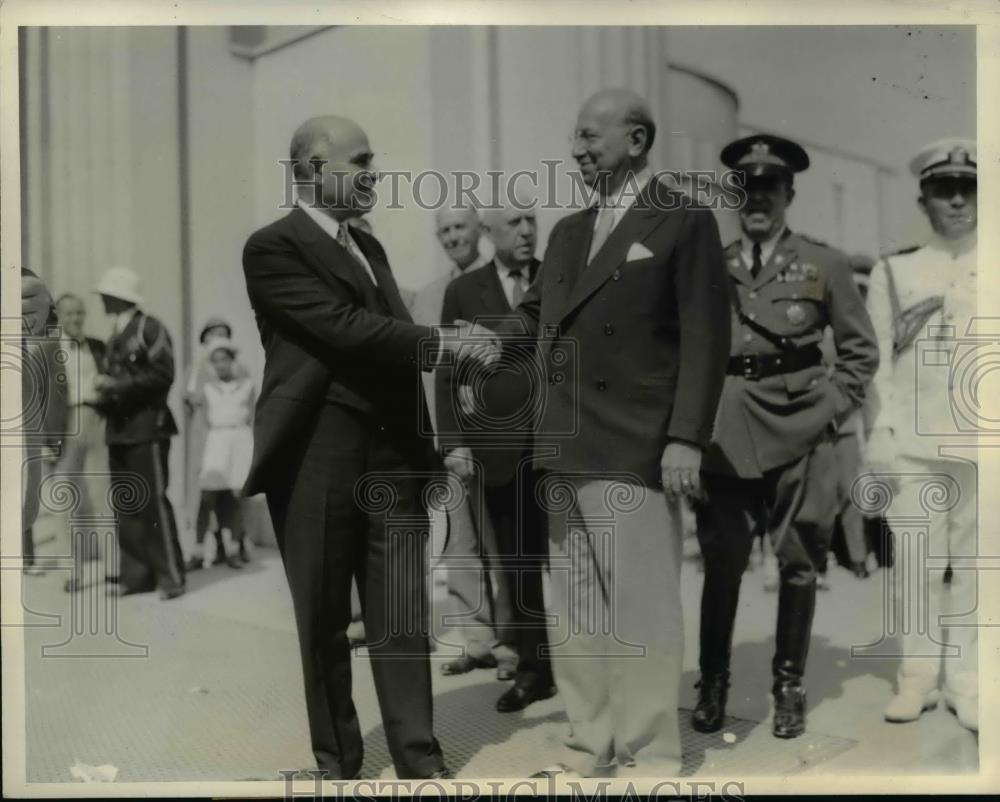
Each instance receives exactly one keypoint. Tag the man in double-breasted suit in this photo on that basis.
(337, 430)
(632, 319)
(496, 446)
(771, 464)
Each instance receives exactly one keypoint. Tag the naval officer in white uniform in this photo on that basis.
(923, 299)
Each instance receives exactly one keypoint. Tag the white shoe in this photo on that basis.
(911, 700)
(965, 707)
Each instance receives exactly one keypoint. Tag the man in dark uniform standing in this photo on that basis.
(771, 463)
(132, 394)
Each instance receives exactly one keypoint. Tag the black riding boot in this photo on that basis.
(719, 600)
(796, 604)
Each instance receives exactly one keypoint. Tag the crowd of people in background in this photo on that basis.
(733, 381)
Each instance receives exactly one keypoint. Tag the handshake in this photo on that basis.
(467, 341)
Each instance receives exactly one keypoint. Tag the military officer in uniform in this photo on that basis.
(913, 294)
(771, 461)
(132, 394)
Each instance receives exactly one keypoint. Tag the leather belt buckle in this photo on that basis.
(751, 367)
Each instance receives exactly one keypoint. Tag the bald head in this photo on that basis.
(512, 229)
(458, 231)
(614, 133)
(72, 314)
(332, 153)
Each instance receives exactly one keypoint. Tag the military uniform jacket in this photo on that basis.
(921, 332)
(803, 288)
(139, 363)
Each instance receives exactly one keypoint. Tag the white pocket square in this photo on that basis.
(638, 251)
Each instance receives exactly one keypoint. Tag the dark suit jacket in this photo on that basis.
(329, 337)
(500, 439)
(634, 350)
(139, 363)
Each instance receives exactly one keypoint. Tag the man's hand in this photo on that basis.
(880, 454)
(466, 399)
(459, 462)
(680, 470)
(473, 342)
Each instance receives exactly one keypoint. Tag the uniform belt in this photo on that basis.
(760, 366)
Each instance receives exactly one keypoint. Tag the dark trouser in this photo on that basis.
(150, 551)
(226, 506)
(326, 538)
(852, 524)
(796, 504)
(522, 546)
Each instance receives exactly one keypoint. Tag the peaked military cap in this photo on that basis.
(945, 157)
(765, 154)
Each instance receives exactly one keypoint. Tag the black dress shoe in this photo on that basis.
(860, 570)
(710, 712)
(466, 663)
(789, 711)
(520, 695)
(121, 589)
(234, 561)
(194, 564)
(172, 593)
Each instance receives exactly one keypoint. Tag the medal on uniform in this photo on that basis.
(796, 315)
(810, 271)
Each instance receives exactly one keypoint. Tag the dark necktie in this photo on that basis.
(757, 263)
(518, 295)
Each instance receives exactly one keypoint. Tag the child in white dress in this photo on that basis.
(228, 400)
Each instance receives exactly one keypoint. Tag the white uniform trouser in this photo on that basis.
(933, 519)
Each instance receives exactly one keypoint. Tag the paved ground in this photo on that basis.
(207, 687)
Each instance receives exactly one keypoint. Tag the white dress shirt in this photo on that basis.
(625, 197)
(332, 227)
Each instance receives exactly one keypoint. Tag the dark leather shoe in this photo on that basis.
(121, 589)
(466, 663)
(789, 711)
(860, 570)
(233, 561)
(710, 712)
(172, 593)
(194, 564)
(520, 695)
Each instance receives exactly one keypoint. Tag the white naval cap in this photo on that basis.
(953, 156)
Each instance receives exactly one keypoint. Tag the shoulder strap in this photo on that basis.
(777, 340)
(908, 323)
